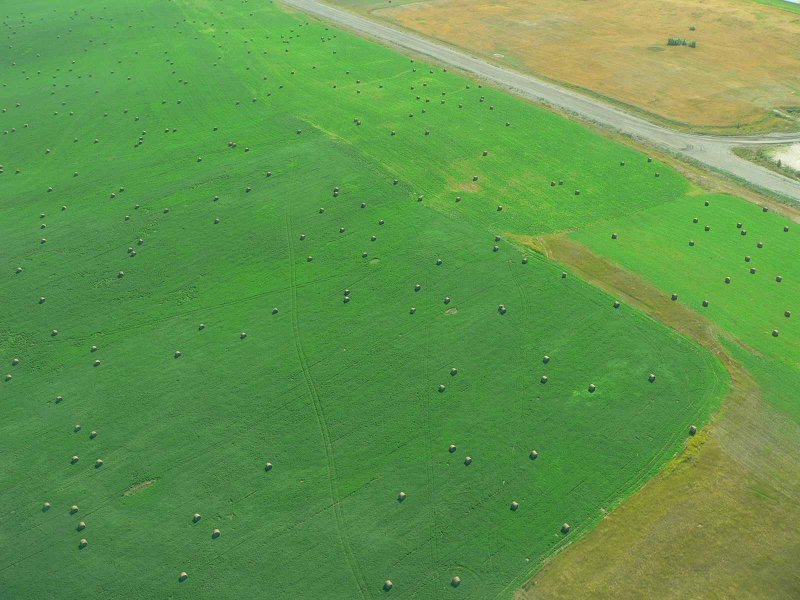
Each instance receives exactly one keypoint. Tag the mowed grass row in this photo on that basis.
(203, 225)
(738, 258)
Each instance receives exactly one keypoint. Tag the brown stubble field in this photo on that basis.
(746, 64)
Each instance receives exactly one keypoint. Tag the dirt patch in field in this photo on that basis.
(138, 487)
(744, 66)
(706, 525)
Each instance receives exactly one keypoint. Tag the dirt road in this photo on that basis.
(712, 151)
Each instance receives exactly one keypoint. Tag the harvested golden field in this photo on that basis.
(745, 67)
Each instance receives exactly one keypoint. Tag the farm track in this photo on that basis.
(714, 152)
(341, 526)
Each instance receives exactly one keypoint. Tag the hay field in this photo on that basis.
(745, 65)
(208, 275)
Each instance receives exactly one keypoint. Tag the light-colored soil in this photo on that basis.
(726, 499)
(789, 156)
(745, 64)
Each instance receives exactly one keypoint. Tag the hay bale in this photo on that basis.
(97, 362)
(268, 467)
(614, 236)
(765, 208)
(178, 354)
(458, 198)
(183, 576)
(695, 220)
(9, 377)
(373, 238)
(381, 222)
(420, 198)
(196, 517)
(302, 236)
(743, 232)
(545, 359)
(707, 228)
(364, 255)
(74, 459)
(92, 435)
(363, 205)
(691, 243)
(501, 309)
(438, 262)
(387, 585)
(454, 371)
(18, 269)
(451, 448)
(401, 496)
(778, 278)
(746, 259)
(760, 245)
(83, 543)
(474, 178)
(455, 581)
(649, 159)
(533, 455)
(201, 326)
(467, 460)
(543, 379)
(215, 533)
(616, 303)
(120, 274)
(346, 299)
(73, 509)
(417, 287)
(786, 229)
(752, 270)
(692, 430)
(775, 333)
(15, 362)
(412, 310)
(674, 297)
(563, 274)
(514, 505)
(59, 399)
(77, 427)
(592, 388)
(321, 210)
(98, 463)
(485, 152)
(341, 229)
(651, 378)
(81, 525)
(622, 163)
(216, 221)
(727, 280)
(46, 506)
(242, 335)
(441, 388)
(787, 314)
(309, 258)
(738, 226)
(577, 192)
(524, 260)
(705, 303)
(707, 203)
(499, 208)
(565, 528)
(658, 174)
(495, 248)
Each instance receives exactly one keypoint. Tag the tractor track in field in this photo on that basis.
(321, 421)
(713, 152)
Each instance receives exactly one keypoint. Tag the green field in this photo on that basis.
(150, 122)
(655, 244)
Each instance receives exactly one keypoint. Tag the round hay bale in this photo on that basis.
(454, 371)
(474, 178)
(83, 543)
(497, 238)
(77, 427)
(215, 533)
(499, 208)
(485, 152)
(387, 585)
(674, 297)
(544, 379)
(760, 245)
(467, 460)
(341, 229)
(438, 262)
(92, 435)
(269, 173)
(746, 259)
(120, 274)
(533, 455)
(514, 505)
(321, 210)
(302, 236)
(501, 309)
(346, 299)
(196, 517)
(458, 198)
(775, 333)
(381, 222)
(183, 576)
(46, 506)
(592, 388)
(616, 303)
(420, 198)
(242, 335)
(692, 429)
(373, 238)
(455, 581)
(73, 509)
(178, 354)
(651, 378)
(451, 448)
(363, 205)
(524, 260)
(268, 466)
(707, 228)
(577, 192)
(140, 241)
(727, 280)
(495, 248)
(74, 459)
(412, 310)
(545, 359)
(706, 203)
(765, 208)
(15, 362)
(622, 163)
(417, 287)
(43, 241)
(649, 159)
(752, 270)
(787, 314)
(552, 184)
(705, 303)
(201, 326)
(401, 496)
(565, 528)
(216, 221)
(658, 174)
(441, 388)
(18, 269)
(563, 274)
(614, 236)
(81, 525)
(98, 463)
(9, 377)
(309, 258)
(743, 232)
(778, 278)
(364, 255)
(786, 229)
(695, 220)
(97, 362)
(691, 243)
